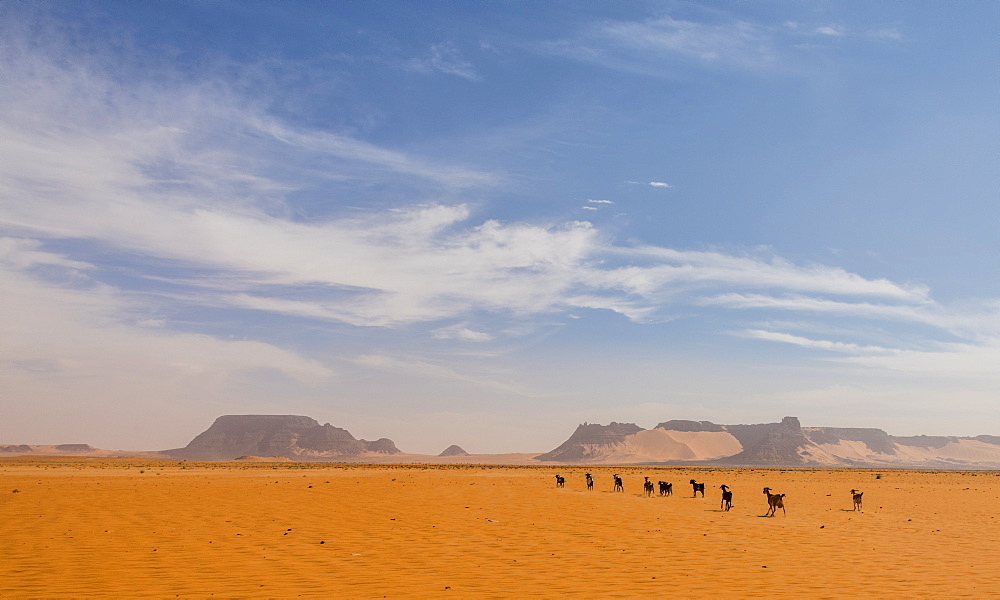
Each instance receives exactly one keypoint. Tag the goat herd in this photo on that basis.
(774, 501)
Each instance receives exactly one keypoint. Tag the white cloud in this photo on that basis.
(420, 368)
(735, 43)
(659, 184)
(787, 338)
(975, 321)
(82, 357)
(463, 333)
(711, 268)
(831, 30)
(958, 361)
(661, 46)
(888, 33)
(600, 201)
(444, 58)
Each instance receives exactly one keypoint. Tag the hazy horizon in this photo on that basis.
(482, 224)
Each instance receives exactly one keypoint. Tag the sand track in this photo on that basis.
(103, 528)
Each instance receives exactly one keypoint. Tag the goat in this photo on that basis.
(666, 489)
(647, 487)
(774, 502)
(618, 484)
(727, 498)
(560, 481)
(857, 499)
(590, 482)
(698, 487)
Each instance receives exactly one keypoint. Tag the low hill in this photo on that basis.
(454, 450)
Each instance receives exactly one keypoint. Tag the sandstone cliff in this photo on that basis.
(786, 443)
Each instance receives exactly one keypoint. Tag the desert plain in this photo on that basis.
(126, 528)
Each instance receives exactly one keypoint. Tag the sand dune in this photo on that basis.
(961, 451)
(658, 445)
(116, 529)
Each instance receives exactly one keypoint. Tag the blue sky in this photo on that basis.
(485, 223)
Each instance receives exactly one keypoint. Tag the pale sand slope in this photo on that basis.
(970, 451)
(660, 445)
(105, 529)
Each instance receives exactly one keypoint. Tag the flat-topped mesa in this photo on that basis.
(74, 447)
(294, 436)
(587, 437)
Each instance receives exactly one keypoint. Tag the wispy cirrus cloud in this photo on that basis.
(839, 347)
(655, 46)
(444, 58)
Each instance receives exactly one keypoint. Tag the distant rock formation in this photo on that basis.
(18, 448)
(454, 450)
(588, 441)
(770, 444)
(292, 436)
(74, 448)
(681, 425)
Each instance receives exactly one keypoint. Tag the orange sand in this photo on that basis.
(120, 528)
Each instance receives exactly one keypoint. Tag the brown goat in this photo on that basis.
(774, 502)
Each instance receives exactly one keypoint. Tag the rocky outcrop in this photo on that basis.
(924, 441)
(454, 450)
(18, 448)
(74, 448)
(380, 446)
(589, 440)
(293, 436)
(682, 425)
(772, 444)
(875, 440)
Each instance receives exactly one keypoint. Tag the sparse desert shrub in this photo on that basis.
(16, 491)
(878, 476)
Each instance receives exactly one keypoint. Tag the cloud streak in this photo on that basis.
(658, 46)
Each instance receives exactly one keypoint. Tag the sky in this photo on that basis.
(486, 223)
